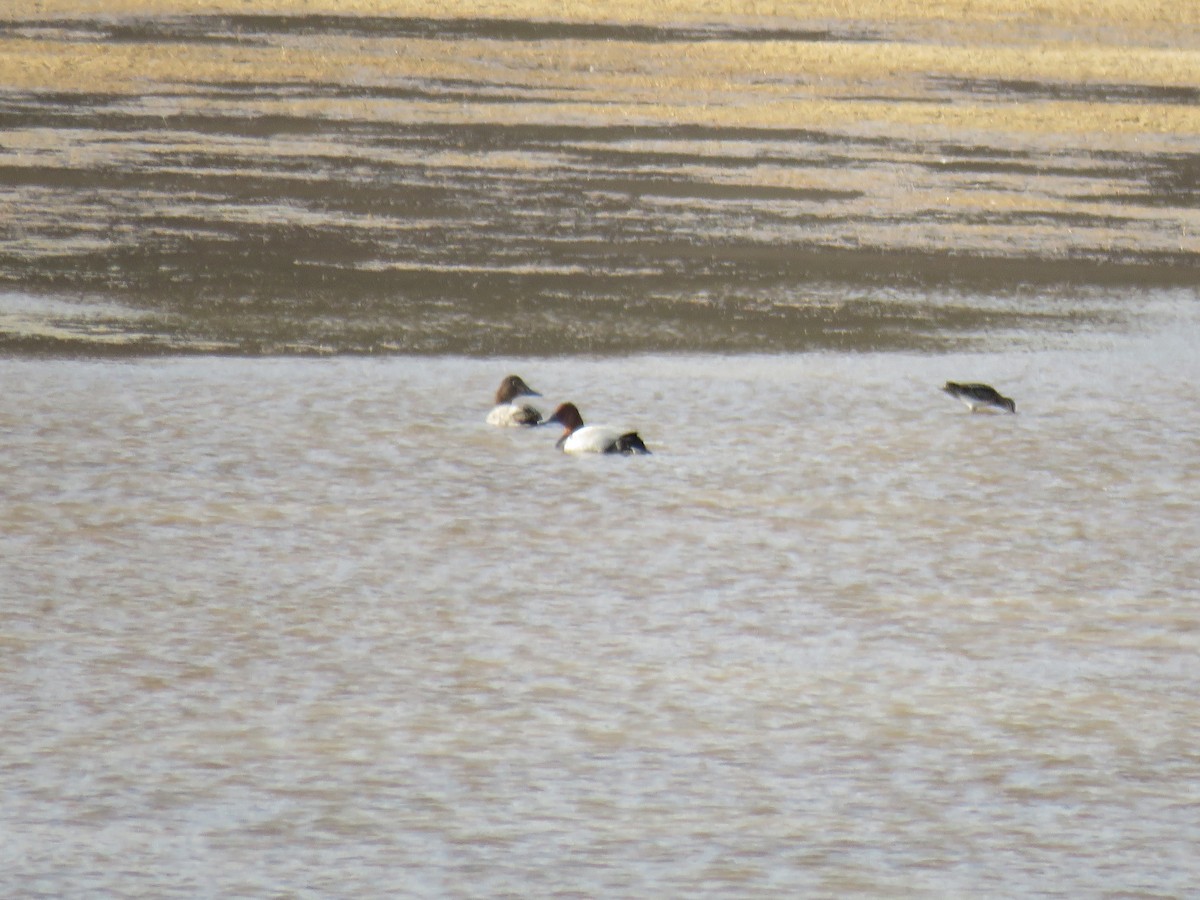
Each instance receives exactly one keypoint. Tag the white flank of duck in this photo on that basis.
(580, 438)
(508, 413)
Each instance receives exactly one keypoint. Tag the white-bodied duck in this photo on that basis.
(580, 438)
(509, 413)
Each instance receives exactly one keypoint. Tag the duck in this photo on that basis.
(507, 413)
(580, 438)
(980, 397)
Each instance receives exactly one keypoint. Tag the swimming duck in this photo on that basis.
(979, 396)
(507, 413)
(580, 438)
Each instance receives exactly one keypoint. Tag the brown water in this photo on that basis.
(273, 625)
(310, 627)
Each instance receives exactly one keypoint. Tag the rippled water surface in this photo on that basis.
(309, 627)
(280, 625)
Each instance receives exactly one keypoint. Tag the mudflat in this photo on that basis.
(551, 154)
(1114, 68)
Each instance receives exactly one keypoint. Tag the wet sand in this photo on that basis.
(361, 177)
(1058, 67)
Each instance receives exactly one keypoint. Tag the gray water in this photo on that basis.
(279, 625)
(311, 628)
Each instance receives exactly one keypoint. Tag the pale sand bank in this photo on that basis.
(489, 158)
(913, 49)
(1122, 14)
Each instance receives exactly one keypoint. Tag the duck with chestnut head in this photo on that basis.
(580, 438)
(509, 412)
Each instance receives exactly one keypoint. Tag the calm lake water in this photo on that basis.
(281, 616)
(311, 628)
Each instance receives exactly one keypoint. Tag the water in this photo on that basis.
(305, 627)
(281, 616)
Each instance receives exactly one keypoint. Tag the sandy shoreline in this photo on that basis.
(417, 178)
(1124, 14)
(1098, 50)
